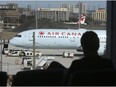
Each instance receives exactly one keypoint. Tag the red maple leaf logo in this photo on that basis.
(41, 33)
(81, 19)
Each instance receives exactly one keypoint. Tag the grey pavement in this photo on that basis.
(12, 65)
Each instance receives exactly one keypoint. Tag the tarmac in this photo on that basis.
(12, 65)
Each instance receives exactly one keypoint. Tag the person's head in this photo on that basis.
(90, 41)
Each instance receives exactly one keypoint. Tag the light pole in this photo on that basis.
(33, 50)
(36, 18)
(79, 15)
(1, 53)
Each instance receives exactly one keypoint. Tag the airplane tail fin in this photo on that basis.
(82, 20)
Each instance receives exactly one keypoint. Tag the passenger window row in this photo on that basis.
(55, 37)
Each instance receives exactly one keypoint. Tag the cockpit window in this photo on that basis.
(18, 36)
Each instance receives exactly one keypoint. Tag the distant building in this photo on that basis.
(55, 14)
(9, 15)
(82, 8)
(76, 10)
(26, 11)
(100, 14)
(63, 13)
(1, 23)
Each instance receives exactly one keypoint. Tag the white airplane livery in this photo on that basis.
(56, 39)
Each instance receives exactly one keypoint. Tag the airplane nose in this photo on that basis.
(11, 41)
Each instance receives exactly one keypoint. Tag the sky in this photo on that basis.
(91, 4)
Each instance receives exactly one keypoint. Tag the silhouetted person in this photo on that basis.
(56, 65)
(91, 59)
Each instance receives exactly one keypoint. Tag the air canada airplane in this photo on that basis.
(56, 39)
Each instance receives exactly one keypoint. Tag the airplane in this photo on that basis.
(56, 39)
(81, 21)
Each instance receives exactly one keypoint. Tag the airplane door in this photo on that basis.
(31, 37)
(72, 39)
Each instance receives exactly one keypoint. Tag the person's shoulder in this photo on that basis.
(107, 62)
(105, 59)
(78, 60)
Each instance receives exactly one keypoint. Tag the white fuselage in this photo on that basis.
(55, 38)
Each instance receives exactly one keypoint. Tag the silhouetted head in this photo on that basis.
(90, 42)
(56, 65)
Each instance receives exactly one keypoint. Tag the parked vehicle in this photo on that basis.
(22, 53)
